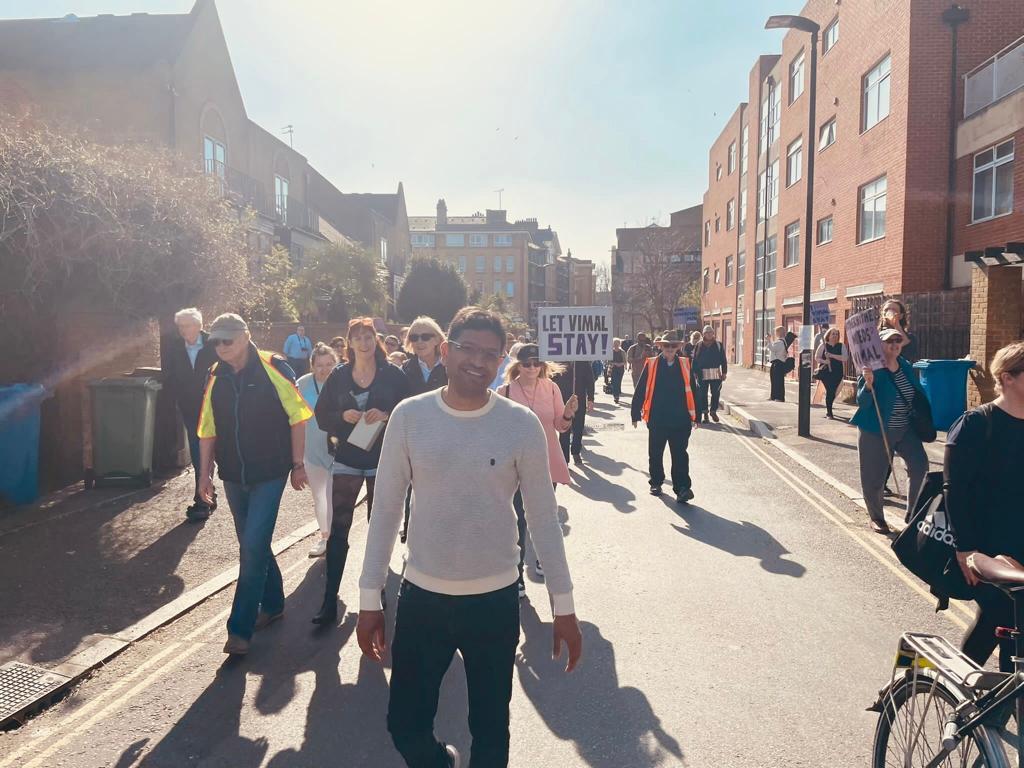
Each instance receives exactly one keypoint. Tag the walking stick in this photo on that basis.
(885, 442)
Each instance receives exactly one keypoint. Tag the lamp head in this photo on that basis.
(792, 22)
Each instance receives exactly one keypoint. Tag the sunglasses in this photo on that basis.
(894, 340)
(222, 342)
(414, 337)
(533, 362)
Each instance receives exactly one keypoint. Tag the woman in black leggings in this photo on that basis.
(984, 453)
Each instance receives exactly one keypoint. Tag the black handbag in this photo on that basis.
(927, 546)
(920, 416)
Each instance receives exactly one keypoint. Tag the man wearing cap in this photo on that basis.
(710, 368)
(664, 400)
(252, 418)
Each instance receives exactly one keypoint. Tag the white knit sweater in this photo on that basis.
(464, 467)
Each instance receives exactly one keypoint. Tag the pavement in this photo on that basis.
(714, 633)
(830, 453)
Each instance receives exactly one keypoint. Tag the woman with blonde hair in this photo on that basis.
(318, 459)
(830, 357)
(423, 368)
(528, 382)
(984, 451)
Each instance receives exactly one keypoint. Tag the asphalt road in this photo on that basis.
(750, 628)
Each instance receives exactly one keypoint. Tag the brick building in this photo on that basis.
(652, 267)
(881, 194)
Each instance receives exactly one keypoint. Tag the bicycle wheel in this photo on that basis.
(909, 731)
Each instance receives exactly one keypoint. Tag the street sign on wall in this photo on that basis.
(565, 334)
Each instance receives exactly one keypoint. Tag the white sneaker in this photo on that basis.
(522, 591)
(319, 548)
(538, 570)
(453, 756)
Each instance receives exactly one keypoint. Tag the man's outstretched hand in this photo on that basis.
(567, 631)
(370, 634)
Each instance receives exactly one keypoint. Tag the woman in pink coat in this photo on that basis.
(528, 382)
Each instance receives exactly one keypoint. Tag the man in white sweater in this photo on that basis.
(465, 450)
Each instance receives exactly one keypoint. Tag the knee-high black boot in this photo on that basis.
(337, 554)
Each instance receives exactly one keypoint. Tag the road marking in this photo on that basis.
(835, 515)
(188, 646)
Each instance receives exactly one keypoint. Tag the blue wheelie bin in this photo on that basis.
(945, 383)
(19, 442)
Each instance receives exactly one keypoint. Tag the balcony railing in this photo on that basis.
(996, 78)
(239, 188)
(293, 213)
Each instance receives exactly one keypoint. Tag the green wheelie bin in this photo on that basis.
(123, 422)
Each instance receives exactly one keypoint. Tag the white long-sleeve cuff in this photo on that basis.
(561, 605)
(369, 600)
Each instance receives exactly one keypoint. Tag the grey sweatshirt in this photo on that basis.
(464, 467)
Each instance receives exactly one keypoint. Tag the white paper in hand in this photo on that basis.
(365, 435)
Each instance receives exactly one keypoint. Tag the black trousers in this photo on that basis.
(429, 628)
(831, 383)
(299, 365)
(678, 438)
(572, 439)
(980, 640)
(710, 394)
(617, 383)
(344, 495)
(777, 374)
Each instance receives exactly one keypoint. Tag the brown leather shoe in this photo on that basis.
(236, 646)
(264, 619)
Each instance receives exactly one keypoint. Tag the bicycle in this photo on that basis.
(942, 709)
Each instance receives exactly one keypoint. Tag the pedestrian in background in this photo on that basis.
(466, 451)
(297, 349)
(637, 356)
(185, 359)
(831, 359)
(618, 369)
(576, 380)
(984, 453)
(393, 344)
(366, 388)
(893, 387)
(691, 344)
(529, 383)
(339, 345)
(664, 401)
(425, 372)
(253, 420)
(778, 361)
(894, 315)
(318, 458)
(710, 368)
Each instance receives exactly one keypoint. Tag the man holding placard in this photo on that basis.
(664, 400)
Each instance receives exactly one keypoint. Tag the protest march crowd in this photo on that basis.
(458, 439)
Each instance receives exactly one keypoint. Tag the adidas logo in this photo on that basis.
(934, 525)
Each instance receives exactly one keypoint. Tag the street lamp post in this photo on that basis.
(811, 27)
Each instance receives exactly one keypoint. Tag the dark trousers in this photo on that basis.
(193, 452)
(996, 610)
(712, 389)
(344, 495)
(300, 365)
(777, 374)
(259, 586)
(572, 439)
(831, 384)
(678, 438)
(429, 628)
(517, 504)
(617, 383)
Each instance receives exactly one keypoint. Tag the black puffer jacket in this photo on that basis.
(417, 386)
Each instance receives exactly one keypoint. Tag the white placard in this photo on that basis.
(862, 338)
(565, 334)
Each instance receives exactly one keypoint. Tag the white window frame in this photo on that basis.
(730, 274)
(743, 211)
(869, 195)
(796, 76)
(718, 276)
(827, 131)
(795, 161)
(876, 88)
(730, 215)
(707, 232)
(831, 229)
(992, 166)
(731, 161)
(213, 164)
(830, 36)
(744, 148)
(718, 172)
(281, 196)
(477, 240)
(718, 224)
(791, 254)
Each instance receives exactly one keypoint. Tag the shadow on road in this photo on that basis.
(595, 486)
(610, 725)
(742, 539)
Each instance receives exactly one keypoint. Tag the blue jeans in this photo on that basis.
(259, 587)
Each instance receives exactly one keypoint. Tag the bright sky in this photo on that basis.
(590, 114)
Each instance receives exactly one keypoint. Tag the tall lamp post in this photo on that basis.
(811, 27)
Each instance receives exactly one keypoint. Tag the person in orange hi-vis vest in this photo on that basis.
(664, 399)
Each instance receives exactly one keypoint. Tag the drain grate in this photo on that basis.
(22, 686)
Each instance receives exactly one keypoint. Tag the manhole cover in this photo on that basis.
(22, 686)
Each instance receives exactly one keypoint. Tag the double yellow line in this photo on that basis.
(876, 546)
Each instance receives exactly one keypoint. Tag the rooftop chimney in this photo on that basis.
(442, 212)
(496, 217)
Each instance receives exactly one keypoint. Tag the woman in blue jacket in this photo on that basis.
(894, 386)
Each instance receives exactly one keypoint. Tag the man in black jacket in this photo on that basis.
(185, 359)
(578, 379)
(710, 367)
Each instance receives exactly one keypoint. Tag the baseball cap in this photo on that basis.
(227, 326)
(887, 333)
(528, 352)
